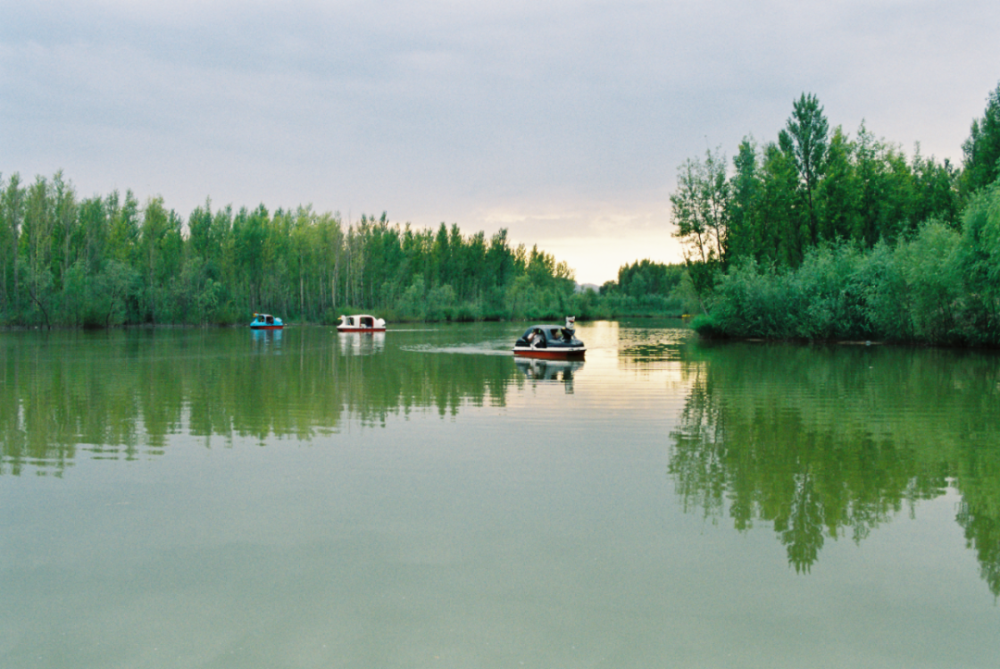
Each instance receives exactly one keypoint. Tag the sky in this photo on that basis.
(562, 121)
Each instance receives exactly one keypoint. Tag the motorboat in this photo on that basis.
(266, 322)
(361, 323)
(551, 342)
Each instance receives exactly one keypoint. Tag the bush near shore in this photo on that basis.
(940, 286)
(821, 236)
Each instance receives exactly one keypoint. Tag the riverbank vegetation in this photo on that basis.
(820, 235)
(109, 260)
(647, 288)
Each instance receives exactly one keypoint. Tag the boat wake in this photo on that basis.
(466, 350)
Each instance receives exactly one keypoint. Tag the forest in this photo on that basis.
(823, 236)
(108, 260)
(817, 235)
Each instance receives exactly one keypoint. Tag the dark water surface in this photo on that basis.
(224, 498)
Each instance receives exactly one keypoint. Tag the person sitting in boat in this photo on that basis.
(537, 339)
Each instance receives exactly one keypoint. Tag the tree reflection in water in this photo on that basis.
(820, 443)
(831, 442)
(121, 394)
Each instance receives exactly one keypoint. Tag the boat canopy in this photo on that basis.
(361, 321)
(550, 332)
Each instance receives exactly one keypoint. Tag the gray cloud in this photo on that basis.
(566, 120)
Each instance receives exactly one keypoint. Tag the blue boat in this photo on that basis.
(266, 322)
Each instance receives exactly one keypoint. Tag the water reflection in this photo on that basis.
(829, 443)
(815, 444)
(652, 347)
(119, 395)
(266, 340)
(558, 371)
(361, 343)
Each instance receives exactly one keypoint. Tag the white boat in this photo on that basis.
(361, 323)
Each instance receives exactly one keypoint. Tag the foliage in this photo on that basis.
(701, 207)
(110, 261)
(826, 236)
(643, 288)
(981, 150)
(805, 140)
(810, 187)
(759, 442)
(940, 286)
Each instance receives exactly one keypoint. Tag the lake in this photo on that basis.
(419, 498)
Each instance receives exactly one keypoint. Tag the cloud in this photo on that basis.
(448, 111)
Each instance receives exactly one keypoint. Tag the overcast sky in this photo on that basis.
(564, 122)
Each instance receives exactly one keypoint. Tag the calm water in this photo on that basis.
(223, 498)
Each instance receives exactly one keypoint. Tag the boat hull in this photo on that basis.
(267, 327)
(340, 329)
(551, 353)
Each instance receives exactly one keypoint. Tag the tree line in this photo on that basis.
(819, 234)
(109, 260)
(647, 288)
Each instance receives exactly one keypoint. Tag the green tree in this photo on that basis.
(745, 234)
(12, 211)
(93, 225)
(158, 239)
(838, 194)
(123, 226)
(981, 151)
(936, 192)
(700, 207)
(781, 209)
(249, 236)
(979, 263)
(805, 140)
(39, 221)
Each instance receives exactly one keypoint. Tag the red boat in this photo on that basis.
(551, 342)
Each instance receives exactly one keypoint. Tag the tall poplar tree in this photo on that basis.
(805, 140)
(744, 239)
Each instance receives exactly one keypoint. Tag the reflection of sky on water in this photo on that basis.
(614, 387)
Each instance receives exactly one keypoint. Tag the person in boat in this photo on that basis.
(537, 339)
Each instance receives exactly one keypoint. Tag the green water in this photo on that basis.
(223, 498)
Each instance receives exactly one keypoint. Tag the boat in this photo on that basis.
(361, 323)
(551, 342)
(266, 322)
